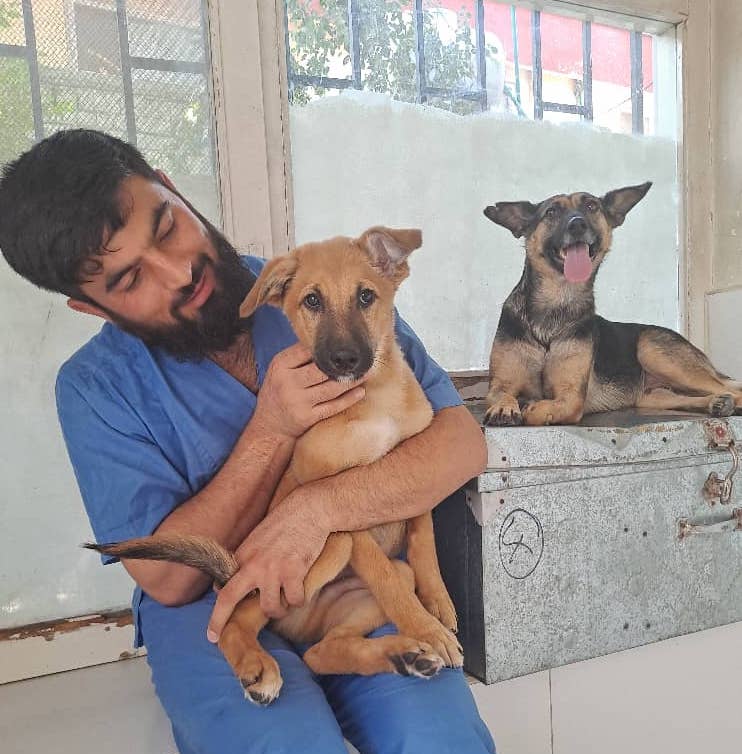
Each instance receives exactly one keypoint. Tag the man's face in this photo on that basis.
(165, 276)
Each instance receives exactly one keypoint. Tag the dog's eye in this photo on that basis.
(551, 213)
(312, 301)
(591, 206)
(366, 297)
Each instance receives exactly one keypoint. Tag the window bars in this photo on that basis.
(479, 93)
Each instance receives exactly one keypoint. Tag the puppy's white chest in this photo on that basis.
(376, 436)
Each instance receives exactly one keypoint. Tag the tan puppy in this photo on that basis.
(339, 298)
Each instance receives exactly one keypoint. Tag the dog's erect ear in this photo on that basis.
(271, 284)
(517, 217)
(618, 203)
(388, 249)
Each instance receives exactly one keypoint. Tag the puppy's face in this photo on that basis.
(568, 235)
(339, 296)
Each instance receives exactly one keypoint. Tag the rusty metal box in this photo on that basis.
(581, 541)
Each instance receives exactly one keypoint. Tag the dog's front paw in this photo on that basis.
(439, 605)
(444, 643)
(504, 412)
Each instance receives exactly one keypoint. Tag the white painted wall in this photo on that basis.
(361, 159)
(43, 572)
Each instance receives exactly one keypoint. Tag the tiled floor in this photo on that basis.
(681, 696)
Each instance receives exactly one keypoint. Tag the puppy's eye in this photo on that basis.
(366, 297)
(551, 213)
(312, 301)
(591, 206)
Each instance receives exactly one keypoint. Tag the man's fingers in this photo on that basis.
(330, 390)
(311, 375)
(295, 356)
(336, 405)
(270, 601)
(293, 591)
(229, 596)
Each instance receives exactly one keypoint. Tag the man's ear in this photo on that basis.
(271, 284)
(165, 178)
(388, 249)
(517, 217)
(87, 307)
(618, 203)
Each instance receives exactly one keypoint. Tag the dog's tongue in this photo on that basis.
(577, 264)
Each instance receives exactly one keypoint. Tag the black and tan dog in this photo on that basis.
(554, 359)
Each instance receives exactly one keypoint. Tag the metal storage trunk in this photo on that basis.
(581, 541)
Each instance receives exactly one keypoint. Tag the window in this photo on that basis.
(135, 69)
(422, 113)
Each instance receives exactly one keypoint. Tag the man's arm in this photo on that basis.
(106, 446)
(413, 478)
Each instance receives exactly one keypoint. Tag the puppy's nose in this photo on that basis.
(345, 359)
(577, 224)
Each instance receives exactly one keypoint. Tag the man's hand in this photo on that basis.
(295, 394)
(274, 559)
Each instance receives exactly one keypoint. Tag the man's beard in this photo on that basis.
(217, 323)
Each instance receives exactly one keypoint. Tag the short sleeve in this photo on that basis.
(127, 485)
(432, 378)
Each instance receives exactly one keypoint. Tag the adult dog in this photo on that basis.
(553, 358)
(339, 297)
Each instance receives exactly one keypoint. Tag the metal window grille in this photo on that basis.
(151, 85)
(479, 93)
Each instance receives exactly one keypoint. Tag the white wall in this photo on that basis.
(43, 572)
(361, 159)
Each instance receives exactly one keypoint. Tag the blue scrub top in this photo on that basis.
(145, 431)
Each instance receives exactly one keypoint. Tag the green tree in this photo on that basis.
(318, 34)
(16, 118)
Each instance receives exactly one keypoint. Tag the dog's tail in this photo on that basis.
(199, 552)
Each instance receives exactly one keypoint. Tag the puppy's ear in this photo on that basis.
(517, 217)
(388, 249)
(271, 284)
(618, 203)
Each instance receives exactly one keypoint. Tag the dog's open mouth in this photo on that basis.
(577, 259)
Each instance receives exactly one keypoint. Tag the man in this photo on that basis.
(178, 419)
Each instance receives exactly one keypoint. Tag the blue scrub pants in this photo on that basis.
(381, 714)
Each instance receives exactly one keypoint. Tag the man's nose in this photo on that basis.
(173, 271)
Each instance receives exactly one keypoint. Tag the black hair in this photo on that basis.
(59, 202)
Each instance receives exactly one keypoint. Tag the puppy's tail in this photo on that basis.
(199, 552)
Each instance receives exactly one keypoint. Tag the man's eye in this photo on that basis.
(168, 232)
(133, 281)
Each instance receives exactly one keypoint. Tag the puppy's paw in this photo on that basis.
(722, 405)
(259, 676)
(418, 659)
(504, 412)
(444, 643)
(439, 605)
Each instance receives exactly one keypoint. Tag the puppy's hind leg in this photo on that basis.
(344, 648)
(257, 671)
